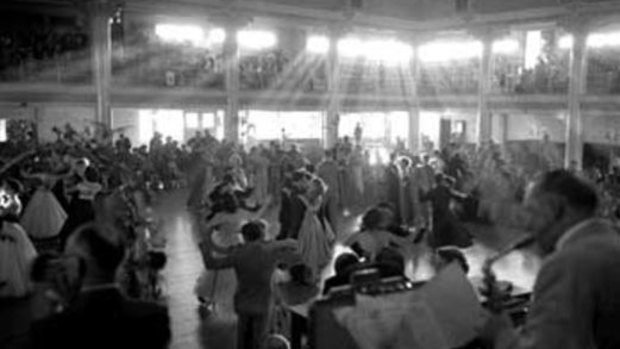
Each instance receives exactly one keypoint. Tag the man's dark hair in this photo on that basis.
(372, 219)
(300, 175)
(253, 231)
(387, 206)
(345, 262)
(452, 254)
(91, 174)
(577, 193)
(301, 274)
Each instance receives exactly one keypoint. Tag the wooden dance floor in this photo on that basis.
(218, 331)
(190, 331)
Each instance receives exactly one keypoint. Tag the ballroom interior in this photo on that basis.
(416, 74)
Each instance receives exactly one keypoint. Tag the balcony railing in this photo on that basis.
(603, 72)
(452, 79)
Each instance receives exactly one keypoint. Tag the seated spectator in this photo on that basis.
(374, 236)
(447, 255)
(292, 208)
(390, 262)
(389, 220)
(101, 316)
(345, 264)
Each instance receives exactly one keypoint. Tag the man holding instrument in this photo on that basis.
(576, 299)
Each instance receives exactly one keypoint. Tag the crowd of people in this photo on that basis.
(233, 194)
(414, 203)
(77, 236)
(75, 217)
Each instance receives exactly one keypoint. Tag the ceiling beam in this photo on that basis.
(305, 16)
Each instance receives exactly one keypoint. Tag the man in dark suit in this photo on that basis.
(100, 316)
(254, 263)
(293, 209)
(576, 300)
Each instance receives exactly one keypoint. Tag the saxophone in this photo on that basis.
(495, 296)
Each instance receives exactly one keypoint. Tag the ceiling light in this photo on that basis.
(506, 46)
(317, 44)
(447, 51)
(180, 33)
(256, 39)
(566, 42)
(216, 36)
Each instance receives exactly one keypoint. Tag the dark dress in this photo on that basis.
(291, 215)
(59, 191)
(197, 177)
(80, 211)
(393, 184)
(447, 230)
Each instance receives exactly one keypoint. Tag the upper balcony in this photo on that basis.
(54, 50)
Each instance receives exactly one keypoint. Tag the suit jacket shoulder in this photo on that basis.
(577, 294)
(105, 320)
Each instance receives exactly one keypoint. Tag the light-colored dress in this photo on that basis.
(16, 256)
(209, 180)
(356, 162)
(226, 233)
(316, 239)
(44, 216)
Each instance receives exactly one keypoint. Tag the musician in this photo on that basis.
(576, 300)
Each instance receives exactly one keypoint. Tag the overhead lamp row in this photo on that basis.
(388, 50)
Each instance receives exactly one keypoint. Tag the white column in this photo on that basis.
(576, 89)
(413, 102)
(100, 12)
(231, 63)
(333, 90)
(483, 119)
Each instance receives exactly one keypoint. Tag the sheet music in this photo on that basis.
(391, 321)
(455, 304)
(445, 313)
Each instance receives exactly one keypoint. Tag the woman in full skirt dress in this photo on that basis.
(81, 208)
(17, 252)
(223, 228)
(16, 256)
(316, 237)
(43, 217)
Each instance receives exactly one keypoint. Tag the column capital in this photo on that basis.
(338, 29)
(331, 30)
(577, 22)
(231, 20)
(109, 7)
(487, 33)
